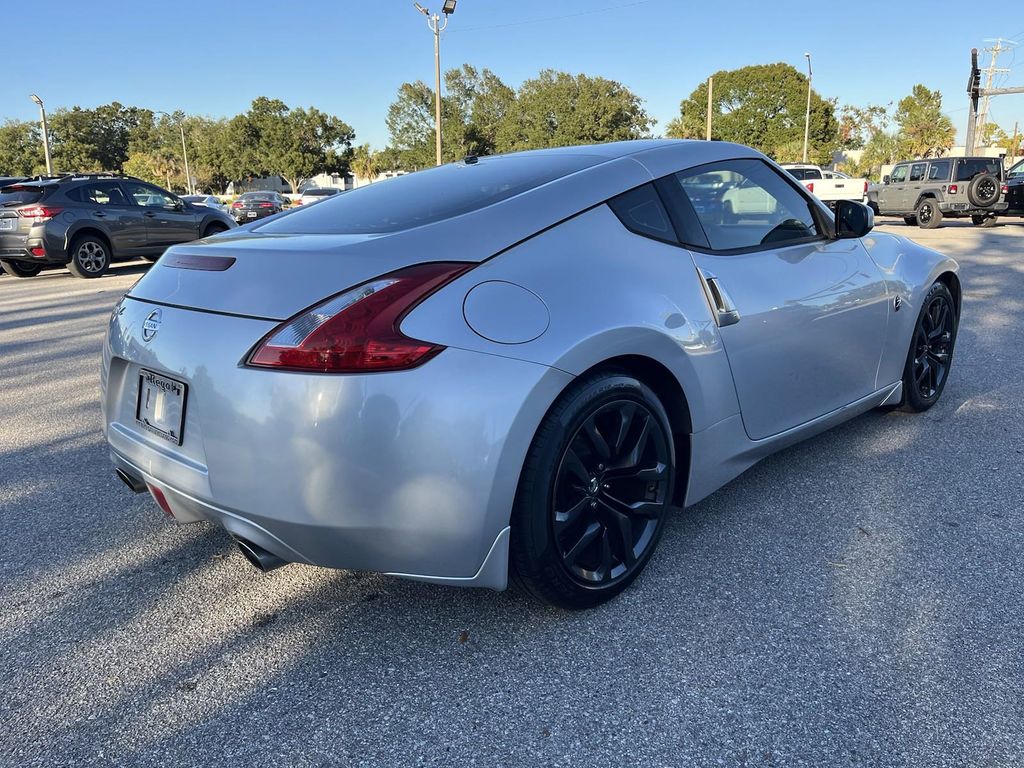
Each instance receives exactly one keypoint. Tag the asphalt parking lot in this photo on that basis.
(855, 600)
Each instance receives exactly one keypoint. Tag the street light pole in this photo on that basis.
(184, 150)
(807, 114)
(46, 135)
(434, 22)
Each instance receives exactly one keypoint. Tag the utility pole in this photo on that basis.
(711, 88)
(807, 115)
(46, 135)
(434, 22)
(990, 74)
(974, 93)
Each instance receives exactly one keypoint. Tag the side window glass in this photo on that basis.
(102, 193)
(640, 210)
(746, 204)
(899, 174)
(939, 171)
(148, 197)
(917, 172)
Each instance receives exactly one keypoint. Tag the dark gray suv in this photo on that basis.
(88, 221)
(923, 192)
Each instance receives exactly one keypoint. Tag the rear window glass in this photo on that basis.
(968, 169)
(804, 173)
(427, 196)
(259, 196)
(20, 195)
(939, 171)
(641, 211)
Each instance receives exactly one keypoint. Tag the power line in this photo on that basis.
(553, 18)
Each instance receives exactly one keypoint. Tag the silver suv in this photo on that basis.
(923, 192)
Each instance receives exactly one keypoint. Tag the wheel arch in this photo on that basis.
(87, 229)
(952, 282)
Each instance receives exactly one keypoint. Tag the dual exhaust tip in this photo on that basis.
(260, 558)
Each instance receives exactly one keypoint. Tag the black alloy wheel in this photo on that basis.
(610, 492)
(928, 214)
(594, 493)
(931, 350)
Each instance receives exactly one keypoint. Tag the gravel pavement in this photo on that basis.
(853, 601)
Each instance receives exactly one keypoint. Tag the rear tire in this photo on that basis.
(930, 356)
(20, 268)
(984, 221)
(594, 493)
(928, 214)
(90, 257)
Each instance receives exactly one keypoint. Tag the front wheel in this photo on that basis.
(931, 350)
(90, 257)
(20, 268)
(594, 494)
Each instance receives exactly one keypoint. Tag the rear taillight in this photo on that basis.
(39, 212)
(236, 205)
(952, 189)
(358, 330)
(810, 187)
(1005, 188)
(266, 205)
(865, 186)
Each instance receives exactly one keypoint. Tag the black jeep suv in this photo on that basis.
(87, 221)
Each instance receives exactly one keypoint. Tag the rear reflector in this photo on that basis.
(160, 499)
(358, 330)
(37, 251)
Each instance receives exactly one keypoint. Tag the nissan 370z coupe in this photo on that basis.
(517, 364)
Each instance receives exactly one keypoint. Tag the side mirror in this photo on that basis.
(177, 205)
(885, 179)
(853, 220)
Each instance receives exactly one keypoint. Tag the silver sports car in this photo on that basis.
(518, 364)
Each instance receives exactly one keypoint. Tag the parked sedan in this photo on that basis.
(524, 362)
(207, 201)
(1014, 190)
(253, 206)
(316, 194)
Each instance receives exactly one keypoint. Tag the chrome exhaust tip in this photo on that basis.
(258, 556)
(137, 485)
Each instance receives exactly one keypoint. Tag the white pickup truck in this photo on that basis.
(829, 186)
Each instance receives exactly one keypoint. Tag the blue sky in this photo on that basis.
(348, 57)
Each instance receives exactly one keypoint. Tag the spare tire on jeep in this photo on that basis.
(983, 190)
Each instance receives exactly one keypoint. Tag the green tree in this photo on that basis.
(761, 106)
(95, 139)
(991, 135)
(294, 143)
(858, 125)
(365, 163)
(923, 130)
(561, 109)
(410, 121)
(21, 149)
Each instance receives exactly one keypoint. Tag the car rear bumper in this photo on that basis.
(411, 473)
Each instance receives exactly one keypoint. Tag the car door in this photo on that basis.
(105, 204)
(916, 181)
(802, 316)
(169, 221)
(891, 195)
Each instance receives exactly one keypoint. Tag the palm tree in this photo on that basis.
(364, 163)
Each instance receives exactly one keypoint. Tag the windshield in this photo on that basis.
(427, 196)
(969, 168)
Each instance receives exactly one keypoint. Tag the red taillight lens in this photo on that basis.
(358, 330)
(810, 187)
(236, 205)
(1005, 188)
(865, 186)
(952, 189)
(39, 212)
(266, 205)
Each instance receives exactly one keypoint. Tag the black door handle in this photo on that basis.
(149, 214)
(99, 214)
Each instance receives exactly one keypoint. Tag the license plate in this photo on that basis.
(251, 215)
(8, 225)
(959, 206)
(161, 406)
